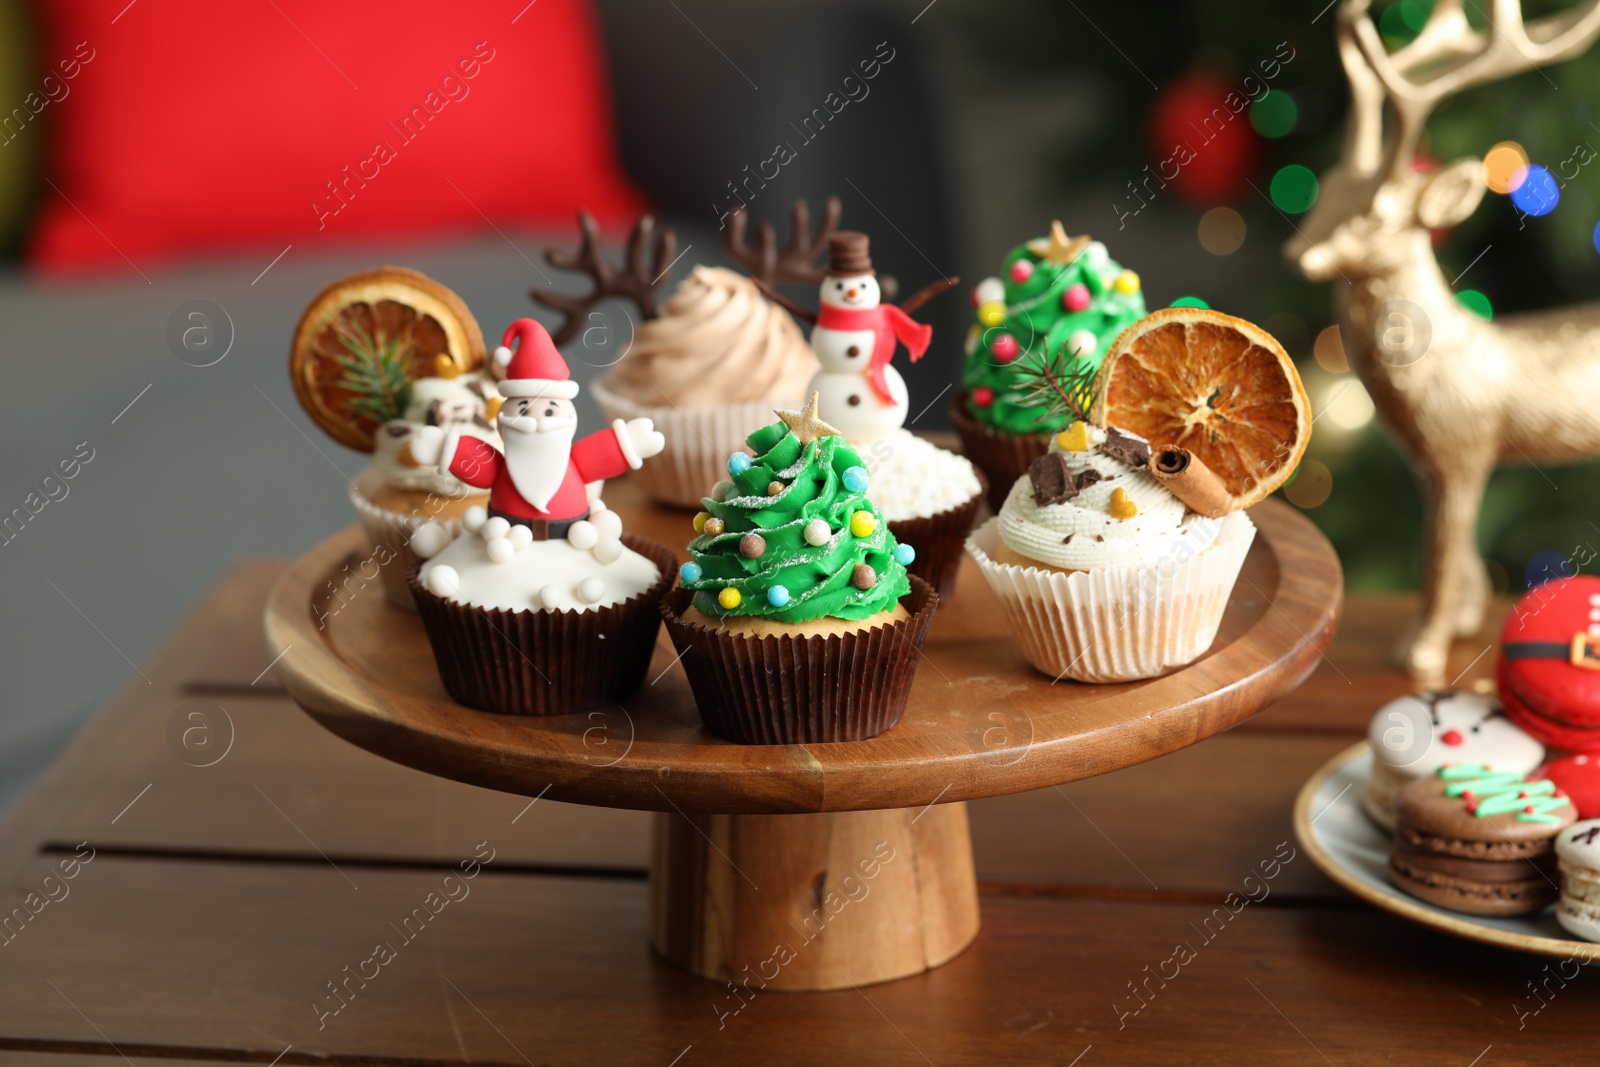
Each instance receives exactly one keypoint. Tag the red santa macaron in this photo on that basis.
(1549, 668)
(535, 368)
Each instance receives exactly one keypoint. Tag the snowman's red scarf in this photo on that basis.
(888, 325)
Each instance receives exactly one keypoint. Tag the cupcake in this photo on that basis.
(795, 584)
(928, 496)
(375, 357)
(544, 571)
(1416, 735)
(1056, 294)
(1115, 553)
(707, 366)
(1479, 841)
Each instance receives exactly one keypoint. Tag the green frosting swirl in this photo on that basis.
(817, 577)
(1040, 322)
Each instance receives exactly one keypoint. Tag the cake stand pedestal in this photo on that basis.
(805, 866)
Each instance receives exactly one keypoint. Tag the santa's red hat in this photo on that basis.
(535, 368)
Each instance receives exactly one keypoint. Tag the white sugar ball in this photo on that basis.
(430, 540)
(1082, 343)
(720, 491)
(582, 535)
(608, 523)
(495, 527)
(991, 291)
(608, 551)
(816, 532)
(591, 590)
(550, 597)
(500, 549)
(520, 537)
(473, 518)
(1095, 254)
(442, 581)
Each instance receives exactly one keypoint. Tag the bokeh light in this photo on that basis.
(1534, 190)
(1475, 302)
(1189, 302)
(1275, 114)
(1221, 231)
(1294, 189)
(1546, 566)
(1400, 23)
(1290, 330)
(1311, 485)
(1349, 408)
(1329, 351)
(1501, 164)
(1595, 237)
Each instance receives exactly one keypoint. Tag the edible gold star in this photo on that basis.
(1059, 248)
(805, 424)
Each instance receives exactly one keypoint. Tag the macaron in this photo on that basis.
(1578, 850)
(1548, 672)
(1414, 736)
(1578, 776)
(1479, 841)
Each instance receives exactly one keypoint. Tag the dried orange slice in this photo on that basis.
(1219, 386)
(363, 341)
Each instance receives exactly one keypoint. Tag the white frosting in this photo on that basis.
(1578, 846)
(913, 479)
(448, 402)
(553, 575)
(1459, 727)
(1081, 534)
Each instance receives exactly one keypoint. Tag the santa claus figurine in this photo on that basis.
(539, 480)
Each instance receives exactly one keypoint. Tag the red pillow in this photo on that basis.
(195, 126)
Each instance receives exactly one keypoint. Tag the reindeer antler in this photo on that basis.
(797, 262)
(636, 281)
(1445, 58)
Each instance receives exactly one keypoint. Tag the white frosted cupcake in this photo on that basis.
(929, 497)
(708, 371)
(1105, 575)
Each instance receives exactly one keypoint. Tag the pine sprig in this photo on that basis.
(1059, 383)
(377, 373)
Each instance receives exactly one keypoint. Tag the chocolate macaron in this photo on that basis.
(1479, 841)
(1578, 850)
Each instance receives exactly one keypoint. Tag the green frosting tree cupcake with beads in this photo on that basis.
(1062, 298)
(794, 583)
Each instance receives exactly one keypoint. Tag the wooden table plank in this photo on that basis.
(230, 959)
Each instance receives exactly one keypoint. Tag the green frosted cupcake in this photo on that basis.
(794, 583)
(1059, 297)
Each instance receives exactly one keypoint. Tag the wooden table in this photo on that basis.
(222, 901)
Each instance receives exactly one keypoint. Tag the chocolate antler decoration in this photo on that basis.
(635, 281)
(797, 262)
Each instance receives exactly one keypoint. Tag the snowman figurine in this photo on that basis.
(854, 339)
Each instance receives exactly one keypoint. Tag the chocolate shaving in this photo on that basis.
(1088, 477)
(397, 430)
(1067, 540)
(1052, 481)
(1130, 450)
(1099, 537)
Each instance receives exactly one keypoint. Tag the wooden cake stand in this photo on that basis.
(807, 866)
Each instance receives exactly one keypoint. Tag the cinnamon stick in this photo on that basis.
(1187, 477)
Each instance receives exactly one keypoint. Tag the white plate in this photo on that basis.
(1350, 849)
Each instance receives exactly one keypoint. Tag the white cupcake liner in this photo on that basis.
(699, 441)
(1116, 624)
(392, 529)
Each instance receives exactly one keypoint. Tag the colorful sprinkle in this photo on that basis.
(752, 545)
(816, 532)
(983, 396)
(777, 596)
(1004, 346)
(700, 521)
(713, 527)
(738, 463)
(1082, 343)
(904, 554)
(992, 313)
(1021, 271)
(1076, 297)
(855, 479)
(774, 488)
(729, 598)
(1127, 282)
(1121, 506)
(863, 576)
(862, 524)
(690, 573)
(1074, 438)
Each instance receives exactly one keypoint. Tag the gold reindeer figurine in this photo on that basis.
(1459, 394)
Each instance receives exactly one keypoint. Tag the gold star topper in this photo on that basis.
(805, 424)
(1059, 248)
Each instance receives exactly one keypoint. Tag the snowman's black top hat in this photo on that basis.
(848, 254)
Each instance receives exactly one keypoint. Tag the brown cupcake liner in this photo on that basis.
(940, 541)
(801, 690)
(1004, 457)
(546, 662)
